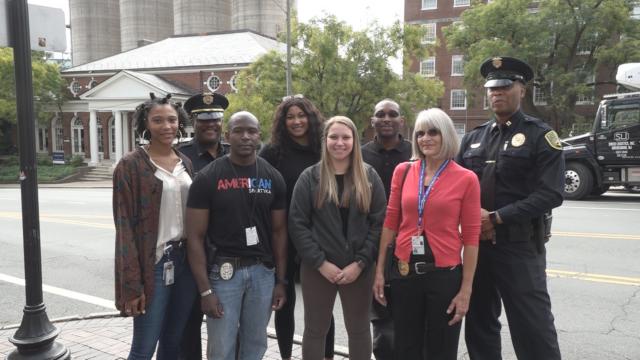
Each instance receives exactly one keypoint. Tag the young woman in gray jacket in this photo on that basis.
(335, 219)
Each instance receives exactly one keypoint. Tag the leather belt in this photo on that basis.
(423, 267)
(237, 262)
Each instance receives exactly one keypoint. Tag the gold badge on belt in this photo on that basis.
(518, 139)
(403, 268)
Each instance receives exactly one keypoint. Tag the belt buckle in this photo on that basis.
(418, 265)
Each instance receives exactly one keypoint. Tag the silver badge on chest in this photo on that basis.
(226, 271)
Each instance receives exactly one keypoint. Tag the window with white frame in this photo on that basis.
(75, 87)
(485, 103)
(429, 4)
(539, 97)
(428, 67)
(233, 84)
(429, 33)
(213, 82)
(458, 99)
(58, 134)
(42, 135)
(457, 65)
(460, 129)
(587, 98)
(458, 3)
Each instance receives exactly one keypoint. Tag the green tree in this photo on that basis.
(47, 89)
(566, 42)
(343, 71)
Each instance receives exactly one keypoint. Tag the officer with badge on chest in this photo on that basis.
(518, 159)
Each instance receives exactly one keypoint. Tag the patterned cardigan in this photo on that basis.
(136, 210)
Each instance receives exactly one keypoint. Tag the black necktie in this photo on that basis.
(488, 181)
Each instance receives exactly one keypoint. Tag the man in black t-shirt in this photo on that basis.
(384, 153)
(206, 111)
(238, 203)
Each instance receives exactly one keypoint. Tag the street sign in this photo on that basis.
(46, 26)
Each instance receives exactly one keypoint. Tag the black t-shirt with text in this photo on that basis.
(239, 197)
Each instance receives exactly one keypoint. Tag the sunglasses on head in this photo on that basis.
(290, 97)
(431, 132)
(381, 114)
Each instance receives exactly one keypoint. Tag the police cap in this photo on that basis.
(207, 103)
(503, 71)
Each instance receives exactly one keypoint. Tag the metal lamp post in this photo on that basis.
(35, 338)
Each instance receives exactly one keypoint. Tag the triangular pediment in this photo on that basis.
(130, 85)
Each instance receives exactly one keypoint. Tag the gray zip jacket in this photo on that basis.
(317, 233)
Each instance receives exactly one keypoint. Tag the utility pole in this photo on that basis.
(35, 338)
(289, 87)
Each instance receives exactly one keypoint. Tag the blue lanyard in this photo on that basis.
(423, 195)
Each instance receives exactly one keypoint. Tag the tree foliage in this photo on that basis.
(342, 71)
(565, 41)
(47, 89)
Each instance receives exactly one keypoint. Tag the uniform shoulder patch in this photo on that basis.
(553, 140)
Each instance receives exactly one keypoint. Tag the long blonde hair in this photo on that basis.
(355, 179)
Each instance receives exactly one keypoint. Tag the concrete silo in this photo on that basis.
(201, 16)
(267, 17)
(144, 20)
(95, 29)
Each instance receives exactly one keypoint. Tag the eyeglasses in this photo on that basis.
(291, 97)
(381, 114)
(431, 132)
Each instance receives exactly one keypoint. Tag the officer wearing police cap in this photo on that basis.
(518, 159)
(206, 111)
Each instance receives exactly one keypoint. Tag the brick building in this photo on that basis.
(97, 122)
(448, 66)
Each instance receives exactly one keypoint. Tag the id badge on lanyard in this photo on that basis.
(417, 241)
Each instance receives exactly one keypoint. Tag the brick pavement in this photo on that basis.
(108, 337)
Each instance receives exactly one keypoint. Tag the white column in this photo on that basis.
(117, 119)
(93, 137)
(125, 133)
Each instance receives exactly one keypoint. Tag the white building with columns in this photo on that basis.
(97, 123)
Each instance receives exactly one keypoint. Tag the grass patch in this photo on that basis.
(47, 172)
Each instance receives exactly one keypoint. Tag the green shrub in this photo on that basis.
(76, 161)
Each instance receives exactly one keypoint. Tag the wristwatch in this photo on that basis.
(493, 218)
(206, 293)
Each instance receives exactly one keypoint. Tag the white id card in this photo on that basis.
(167, 274)
(251, 234)
(417, 245)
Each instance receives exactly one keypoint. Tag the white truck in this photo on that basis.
(608, 155)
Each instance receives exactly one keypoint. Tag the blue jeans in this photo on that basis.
(166, 315)
(246, 301)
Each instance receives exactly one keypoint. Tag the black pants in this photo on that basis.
(382, 324)
(515, 273)
(419, 304)
(285, 319)
(191, 342)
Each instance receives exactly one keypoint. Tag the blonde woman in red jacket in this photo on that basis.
(434, 215)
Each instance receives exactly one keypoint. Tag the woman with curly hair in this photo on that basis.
(295, 145)
(150, 186)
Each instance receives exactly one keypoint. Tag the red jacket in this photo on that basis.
(451, 217)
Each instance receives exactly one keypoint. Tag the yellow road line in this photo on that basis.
(596, 235)
(608, 279)
(18, 216)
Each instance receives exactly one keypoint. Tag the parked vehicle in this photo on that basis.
(608, 155)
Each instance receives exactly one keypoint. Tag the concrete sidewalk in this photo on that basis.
(108, 337)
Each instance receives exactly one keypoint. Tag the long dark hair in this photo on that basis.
(142, 113)
(280, 136)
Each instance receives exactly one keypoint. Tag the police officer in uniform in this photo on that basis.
(206, 111)
(518, 159)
